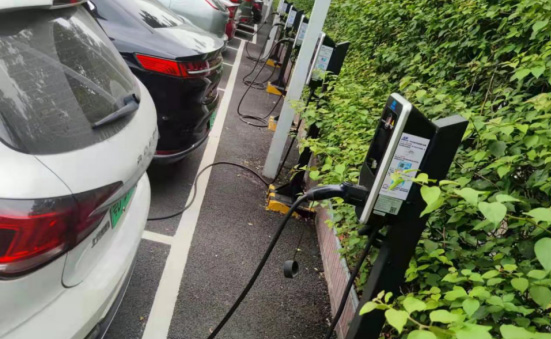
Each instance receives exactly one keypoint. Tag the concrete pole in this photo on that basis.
(267, 9)
(296, 85)
(271, 39)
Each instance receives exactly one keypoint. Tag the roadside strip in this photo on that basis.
(160, 317)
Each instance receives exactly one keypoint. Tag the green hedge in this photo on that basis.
(482, 267)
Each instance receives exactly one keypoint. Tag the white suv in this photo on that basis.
(77, 132)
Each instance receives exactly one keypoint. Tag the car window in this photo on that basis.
(152, 12)
(59, 73)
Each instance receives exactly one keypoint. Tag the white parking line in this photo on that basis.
(158, 322)
(235, 49)
(221, 89)
(227, 64)
(255, 33)
(157, 237)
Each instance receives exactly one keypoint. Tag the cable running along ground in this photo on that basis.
(195, 187)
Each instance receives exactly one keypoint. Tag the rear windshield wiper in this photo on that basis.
(131, 105)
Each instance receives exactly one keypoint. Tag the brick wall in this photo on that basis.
(335, 271)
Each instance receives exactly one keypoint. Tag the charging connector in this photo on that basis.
(352, 194)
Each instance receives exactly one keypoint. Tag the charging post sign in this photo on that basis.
(405, 142)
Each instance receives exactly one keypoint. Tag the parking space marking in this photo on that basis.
(221, 89)
(157, 237)
(235, 49)
(255, 33)
(227, 64)
(160, 317)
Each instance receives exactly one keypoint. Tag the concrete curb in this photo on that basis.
(336, 271)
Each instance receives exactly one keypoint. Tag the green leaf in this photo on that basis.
(448, 182)
(433, 207)
(505, 198)
(412, 305)
(537, 71)
(521, 73)
(490, 274)
(314, 175)
(537, 274)
(396, 319)
(497, 148)
(538, 26)
(514, 332)
(422, 178)
(494, 212)
(470, 306)
(418, 334)
(470, 195)
(430, 194)
(480, 292)
(531, 141)
(543, 252)
(368, 307)
(472, 331)
(457, 292)
(445, 317)
(340, 168)
(520, 284)
(540, 214)
(541, 295)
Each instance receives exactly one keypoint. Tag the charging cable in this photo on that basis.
(350, 282)
(262, 120)
(352, 194)
(228, 163)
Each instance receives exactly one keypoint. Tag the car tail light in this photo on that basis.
(236, 1)
(159, 65)
(233, 10)
(184, 69)
(35, 232)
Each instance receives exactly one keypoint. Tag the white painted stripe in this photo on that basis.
(157, 237)
(227, 64)
(221, 90)
(230, 47)
(158, 323)
(256, 33)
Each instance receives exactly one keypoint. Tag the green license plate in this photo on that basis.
(118, 209)
(212, 118)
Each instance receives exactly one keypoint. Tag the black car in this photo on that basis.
(180, 64)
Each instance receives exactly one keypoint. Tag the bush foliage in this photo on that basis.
(482, 267)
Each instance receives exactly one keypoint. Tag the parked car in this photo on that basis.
(210, 15)
(77, 132)
(235, 14)
(179, 64)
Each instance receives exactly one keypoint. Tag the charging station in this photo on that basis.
(291, 27)
(328, 58)
(404, 140)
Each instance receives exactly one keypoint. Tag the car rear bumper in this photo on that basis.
(184, 108)
(165, 159)
(101, 328)
(78, 310)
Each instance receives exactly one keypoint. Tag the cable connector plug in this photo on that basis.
(352, 194)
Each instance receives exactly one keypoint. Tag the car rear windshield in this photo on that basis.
(152, 12)
(59, 73)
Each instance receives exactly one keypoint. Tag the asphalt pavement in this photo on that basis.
(231, 232)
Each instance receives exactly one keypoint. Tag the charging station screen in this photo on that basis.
(322, 61)
(301, 33)
(291, 18)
